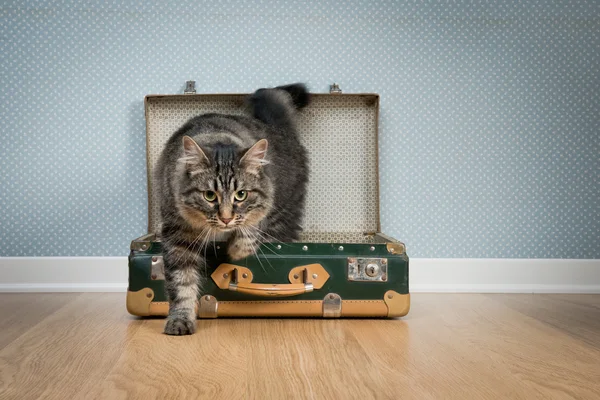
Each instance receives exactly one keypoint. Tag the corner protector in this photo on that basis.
(143, 243)
(138, 303)
(395, 247)
(397, 304)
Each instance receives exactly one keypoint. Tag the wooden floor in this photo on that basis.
(468, 346)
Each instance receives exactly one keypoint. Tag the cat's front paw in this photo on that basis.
(179, 326)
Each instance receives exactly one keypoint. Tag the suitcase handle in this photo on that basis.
(303, 279)
(271, 290)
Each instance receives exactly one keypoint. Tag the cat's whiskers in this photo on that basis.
(266, 243)
(266, 258)
(273, 237)
(214, 242)
(248, 234)
(256, 235)
(205, 241)
(204, 245)
(205, 233)
(189, 247)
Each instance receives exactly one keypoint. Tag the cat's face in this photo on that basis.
(224, 190)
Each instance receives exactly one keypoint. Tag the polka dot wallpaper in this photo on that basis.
(489, 121)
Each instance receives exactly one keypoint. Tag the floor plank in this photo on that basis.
(577, 316)
(533, 359)
(451, 346)
(313, 359)
(210, 364)
(21, 311)
(73, 348)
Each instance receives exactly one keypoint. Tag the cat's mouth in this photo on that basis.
(229, 227)
(231, 224)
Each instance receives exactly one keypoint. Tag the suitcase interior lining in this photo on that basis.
(340, 133)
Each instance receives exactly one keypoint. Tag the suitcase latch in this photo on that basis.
(332, 306)
(190, 87)
(367, 269)
(335, 89)
(208, 307)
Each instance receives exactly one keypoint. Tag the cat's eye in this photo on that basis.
(209, 195)
(240, 195)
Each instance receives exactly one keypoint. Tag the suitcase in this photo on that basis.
(343, 265)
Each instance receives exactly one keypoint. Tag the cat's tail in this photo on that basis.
(278, 105)
(298, 92)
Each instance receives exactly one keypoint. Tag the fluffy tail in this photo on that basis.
(298, 92)
(276, 106)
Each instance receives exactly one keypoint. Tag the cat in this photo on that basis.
(241, 178)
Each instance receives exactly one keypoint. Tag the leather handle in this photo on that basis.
(303, 279)
(271, 290)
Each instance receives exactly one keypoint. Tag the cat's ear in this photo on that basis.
(193, 156)
(254, 158)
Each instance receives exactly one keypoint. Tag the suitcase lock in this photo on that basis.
(367, 269)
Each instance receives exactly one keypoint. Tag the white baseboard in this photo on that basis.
(501, 275)
(63, 274)
(447, 275)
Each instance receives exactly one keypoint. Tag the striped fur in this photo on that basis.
(258, 157)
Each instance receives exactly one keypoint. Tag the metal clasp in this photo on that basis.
(367, 269)
(158, 269)
(190, 87)
(143, 243)
(332, 306)
(335, 89)
(208, 307)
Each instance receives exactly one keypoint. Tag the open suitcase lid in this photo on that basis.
(340, 134)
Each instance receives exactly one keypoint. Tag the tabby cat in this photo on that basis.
(236, 178)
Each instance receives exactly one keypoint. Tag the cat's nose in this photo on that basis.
(225, 220)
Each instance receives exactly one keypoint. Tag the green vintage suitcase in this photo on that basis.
(343, 266)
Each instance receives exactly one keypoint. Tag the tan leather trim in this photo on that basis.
(300, 308)
(305, 278)
(291, 308)
(397, 304)
(364, 308)
(313, 269)
(138, 303)
(287, 308)
(159, 308)
(271, 289)
(222, 275)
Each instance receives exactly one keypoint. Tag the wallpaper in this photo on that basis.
(489, 122)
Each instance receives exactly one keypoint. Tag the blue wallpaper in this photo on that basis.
(490, 112)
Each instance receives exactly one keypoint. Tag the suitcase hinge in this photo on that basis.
(190, 87)
(332, 306)
(335, 89)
